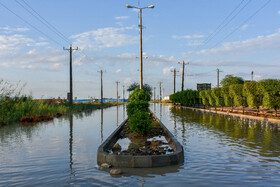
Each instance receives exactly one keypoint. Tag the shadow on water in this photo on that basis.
(257, 135)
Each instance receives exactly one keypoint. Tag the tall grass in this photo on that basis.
(14, 106)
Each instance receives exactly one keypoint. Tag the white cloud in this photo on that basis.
(9, 43)
(244, 27)
(278, 12)
(195, 43)
(8, 29)
(194, 36)
(269, 42)
(118, 70)
(167, 71)
(121, 17)
(104, 38)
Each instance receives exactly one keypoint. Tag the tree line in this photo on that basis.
(235, 92)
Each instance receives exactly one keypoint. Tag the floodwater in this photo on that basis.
(218, 150)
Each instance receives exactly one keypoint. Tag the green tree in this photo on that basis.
(211, 99)
(219, 99)
(139, 95)
(271, 91)
(236, 91)
(229, 80)
(227, 98)
(205, 99)
(135, 85)
(254, 94)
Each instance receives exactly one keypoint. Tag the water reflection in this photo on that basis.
(71, 142)
(117, 115)
(261, 137)
(101, 112)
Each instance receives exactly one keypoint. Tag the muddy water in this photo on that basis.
(219, 151)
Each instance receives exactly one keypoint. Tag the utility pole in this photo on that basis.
(123, 92)
(70, 96)
(101, 72)
(160, 96)
(154, 93)
(174, 71)
(252, 75)
(117, 92)
(218, 76)
(183, 73)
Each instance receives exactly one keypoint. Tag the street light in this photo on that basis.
(140, 36)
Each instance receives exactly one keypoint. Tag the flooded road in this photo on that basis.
(218, 150)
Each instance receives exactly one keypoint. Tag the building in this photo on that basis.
(203, 86)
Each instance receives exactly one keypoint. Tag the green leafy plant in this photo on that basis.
(139, 122)
(218, 96)
(230, 80)
(138, 111)
(271, 93)
(236, 91)
(139, 95)
(227, 98)
(254, 94)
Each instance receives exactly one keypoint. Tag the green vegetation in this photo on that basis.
(254, 94)
(138, 111)
(235, 92)
(14, 106)
(239, 98)
(271, 91)
(230, 80)
(135, 85)
(186, 97)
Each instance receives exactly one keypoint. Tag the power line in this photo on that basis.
(223, 24)
(219, 29)
(58, 43)
(250, 17)
(43, 21)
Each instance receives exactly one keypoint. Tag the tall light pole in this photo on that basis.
(140, 37)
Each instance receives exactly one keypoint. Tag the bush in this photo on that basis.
(139, 95)
(186, 97)
(134, 106)
(139, 122)
(138, 111)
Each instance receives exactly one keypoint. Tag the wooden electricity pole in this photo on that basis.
(160, 96)
(71, 79)
(183, 72)
(252, 75)
(101, 72)
(154, 93)
(123, 92)
(117, 92)
(174, 71)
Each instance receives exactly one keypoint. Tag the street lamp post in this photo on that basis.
(140, 37)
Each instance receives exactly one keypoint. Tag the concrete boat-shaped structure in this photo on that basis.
(139, 161)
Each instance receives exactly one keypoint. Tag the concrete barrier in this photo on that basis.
(139, 161)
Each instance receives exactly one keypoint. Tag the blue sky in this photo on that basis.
(107, 35)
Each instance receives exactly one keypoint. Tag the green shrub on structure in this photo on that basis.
(271, 93)
(236, 91)
(254, 94)
(139, 122)
(138, 111)
(134, 106)
(227, 98)
(139, 95)
(217, 95)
